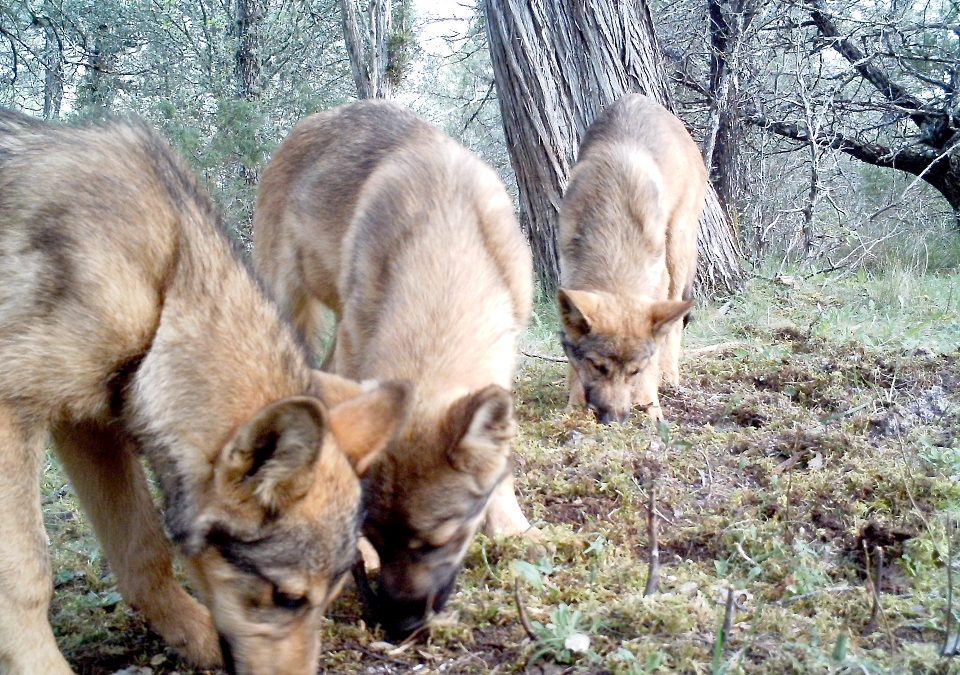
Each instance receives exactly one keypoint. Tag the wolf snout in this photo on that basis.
(605, 412)
(401, 617)
(610, 416)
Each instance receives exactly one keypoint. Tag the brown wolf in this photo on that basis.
(628, 254)
(127, 327)
(411, 240)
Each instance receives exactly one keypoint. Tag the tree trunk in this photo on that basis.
(368, 45)
(52, 65)
(557, 64)
(249, 59)
(248, 69)
(98, 89)
(728, 20)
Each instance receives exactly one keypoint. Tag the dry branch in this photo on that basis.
(522, 611)
(543, 357)
(653, 547)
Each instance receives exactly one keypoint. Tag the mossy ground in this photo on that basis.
(833, 426)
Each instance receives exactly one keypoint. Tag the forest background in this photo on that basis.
(806, 489)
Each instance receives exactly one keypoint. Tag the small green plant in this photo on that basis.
(635, 666)
(565, 637)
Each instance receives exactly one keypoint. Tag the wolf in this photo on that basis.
(411, 240)
(129, 329)
(627, 232)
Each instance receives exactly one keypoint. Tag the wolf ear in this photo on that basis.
(487, 424)
(270, 458)
(333, 389)
(365, 423)
(663, 314)
(577, 311)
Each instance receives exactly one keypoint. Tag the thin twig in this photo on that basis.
(653, 547)
(706, 460)
(522, 611)
(948, 648)
(542, 357)
(743, 554)
(803, 596)
(713, 349)
(873, 583)
(877, 609)
(728, 614)
(787, 531)
(908, 479)
(723, 635)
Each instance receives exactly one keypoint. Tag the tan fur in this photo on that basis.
(128, 328)
(412, 241)
(628, 255)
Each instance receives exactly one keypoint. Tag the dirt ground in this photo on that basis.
(797, 450)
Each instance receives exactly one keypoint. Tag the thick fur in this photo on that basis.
(128, 328)
(411, 240)
(628, 255)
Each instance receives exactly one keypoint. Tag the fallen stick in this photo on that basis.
(543, 357)
(653, 547)
(522, 611)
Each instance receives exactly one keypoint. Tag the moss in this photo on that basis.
(832, 426)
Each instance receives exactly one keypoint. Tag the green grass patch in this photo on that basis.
(830, 426)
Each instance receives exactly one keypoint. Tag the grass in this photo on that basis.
(831, 428)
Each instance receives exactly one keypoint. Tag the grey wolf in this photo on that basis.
(411, 240)
(128, 328)
(628, 254)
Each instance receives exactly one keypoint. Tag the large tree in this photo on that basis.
(377, 35)
(557, 64)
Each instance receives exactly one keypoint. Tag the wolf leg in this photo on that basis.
(112, 488)
(27, 644)
(577, 397)
(504, 517)
(645, 391)
(670, 355)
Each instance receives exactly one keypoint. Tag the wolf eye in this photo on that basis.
(633, 372)
(287, 601)
(599, 367)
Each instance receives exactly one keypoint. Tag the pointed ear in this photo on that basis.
(663, 314)
(333, 389)
(486, 424)
(269, 460)
(364, 424)
(577, 311)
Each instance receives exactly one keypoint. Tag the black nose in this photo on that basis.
(611, 416)
(399, 628)
(401, 618)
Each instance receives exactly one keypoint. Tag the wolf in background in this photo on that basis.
(628, 255)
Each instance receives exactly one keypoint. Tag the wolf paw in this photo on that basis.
(538, 547)
(655, 412)
(194, 636)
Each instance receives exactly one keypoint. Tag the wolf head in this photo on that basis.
(425, 498)
(612, 343)
(280, 521)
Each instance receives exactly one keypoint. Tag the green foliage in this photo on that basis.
(566, 637)
(806, 392)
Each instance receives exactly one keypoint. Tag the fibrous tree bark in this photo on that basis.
(557, 64)
(249, 57)
(52, 64)
(366, 32)
(98, 89)
(248, 67)
(728, 21)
